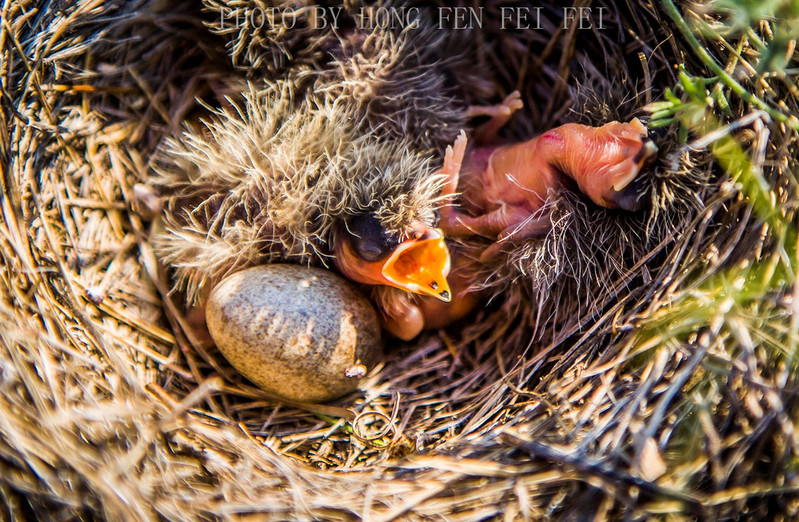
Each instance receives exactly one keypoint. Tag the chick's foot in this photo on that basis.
(500, 114)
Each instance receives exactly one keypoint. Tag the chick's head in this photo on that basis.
(385, 233)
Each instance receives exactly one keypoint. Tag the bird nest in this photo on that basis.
(628, 366)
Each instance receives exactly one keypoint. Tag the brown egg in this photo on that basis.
(302, 333)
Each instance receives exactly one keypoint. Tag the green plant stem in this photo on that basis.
(708, 60)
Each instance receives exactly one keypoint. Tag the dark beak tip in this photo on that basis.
(631, 204)
(633, 197)
(631, 201)
(647, 152)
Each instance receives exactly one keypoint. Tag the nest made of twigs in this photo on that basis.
(659, 380)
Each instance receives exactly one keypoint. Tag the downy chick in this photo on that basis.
(502, 190)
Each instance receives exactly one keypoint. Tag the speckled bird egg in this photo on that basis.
(302, 333)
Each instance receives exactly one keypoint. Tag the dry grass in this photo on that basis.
(656, 375)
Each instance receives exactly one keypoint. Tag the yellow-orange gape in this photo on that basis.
(499, 192)
(418, 262)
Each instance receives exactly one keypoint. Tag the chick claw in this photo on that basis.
(453, 159)
(509, 105)
(453, 222)
(500, 114)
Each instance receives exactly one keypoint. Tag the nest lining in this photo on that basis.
(666, 385)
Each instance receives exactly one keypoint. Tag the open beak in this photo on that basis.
(419, 265)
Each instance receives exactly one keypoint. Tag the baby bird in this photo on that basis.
(502, 190)
(332, 166)
(329, 166)
(503, 187)
(282, 179)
